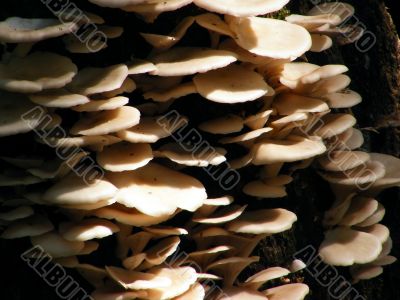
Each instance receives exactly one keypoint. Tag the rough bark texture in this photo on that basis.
(375, 74)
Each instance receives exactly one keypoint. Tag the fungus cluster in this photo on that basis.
(114, 173)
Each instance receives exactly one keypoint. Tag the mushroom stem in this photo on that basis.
(272, 170)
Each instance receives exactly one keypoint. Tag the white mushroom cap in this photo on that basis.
(340, 161)
(392, 174)
(108, 121)
(213, 23)
(73, 189)
(265, 221)
(175, 92)
(128, 86)
(365, 272)
(241, 9)
(156, 190)
(87, 229)
(165, 42)
(360, 209)
(364, 175)
(32, 226)
(378, 230)
(98, 80)
(140, 66)
(313, 21)
(27, 75)
(21, 30)
(124, 157)
(292, 149)
(156, 6)
(187, 61)
(335, 124)
(376, 217)
(13, 107)
(288, 103)
(129, 216)
(152, 129)
(58, 98)
(80, 141)
(182, 279)
(202, 157)
(258, 279)
(271, 37)
(57, 246)
(343, 247)
(233, 84)
(343, 99)
(343, 10)
(196, 292)
(223, 125)
(106, 104)
(293, 291)
(230, 268)
(133, 280)
(222, 216)
(320, 42)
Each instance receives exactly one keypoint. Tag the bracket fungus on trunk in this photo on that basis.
(272, 111)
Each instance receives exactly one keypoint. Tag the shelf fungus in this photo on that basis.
(153, 157)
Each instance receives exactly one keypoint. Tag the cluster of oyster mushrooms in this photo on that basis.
(116, 172)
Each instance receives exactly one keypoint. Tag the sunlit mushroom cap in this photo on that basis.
(293, 291)
(58, 98)
(124, 157)
(137, 280)
(129, 216)
(21, 30)
(152, 129)
(188, 61)
(266, 221)
(106, 104)
(233, 84)
(17, 114)
(73, 189)
(203, 157)
(182, 279)
(258, 279)
(98, 80)
(87, 229)
(271, 37)
(344, 246)
(156, 190)
(343, 99)
(292, 149)
(288, 103)
(27, 75)
(108, 121)
(241, 9)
